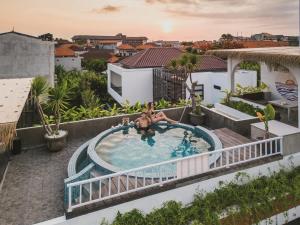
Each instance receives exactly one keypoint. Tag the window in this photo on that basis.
(199, 90)
(116, 82)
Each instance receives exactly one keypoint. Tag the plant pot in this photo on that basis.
(57, 142)
(196, 119)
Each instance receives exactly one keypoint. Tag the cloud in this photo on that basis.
(278, 13)
(107, 9)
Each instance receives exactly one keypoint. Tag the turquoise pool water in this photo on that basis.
(128, 148)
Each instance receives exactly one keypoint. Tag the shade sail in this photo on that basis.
(13, 96)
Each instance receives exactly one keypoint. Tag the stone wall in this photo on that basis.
(34, 136)
(23, 56)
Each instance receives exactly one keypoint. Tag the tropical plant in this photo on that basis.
(244, 200)
(244, 107)
(267, 115)
(95, 65)
(89, 99)
(198, 105)
(187, 64)
(240, 90)
(228, 94)
(55, 98)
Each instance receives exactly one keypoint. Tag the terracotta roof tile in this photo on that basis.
(211, 63)
(145, 46)
(151, 57)
(64, 51)
(126, 47)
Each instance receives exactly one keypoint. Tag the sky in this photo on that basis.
(188, 20)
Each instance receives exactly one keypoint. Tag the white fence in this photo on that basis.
(97, 189)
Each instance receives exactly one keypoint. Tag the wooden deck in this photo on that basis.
(230, 138)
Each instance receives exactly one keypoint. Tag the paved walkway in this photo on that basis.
(33, 188)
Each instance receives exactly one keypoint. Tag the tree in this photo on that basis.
(187, 64)
(96, 65)
(227, 37)
(56, 98)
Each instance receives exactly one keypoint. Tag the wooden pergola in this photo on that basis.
(289, 57)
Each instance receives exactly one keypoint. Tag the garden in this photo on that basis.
(244, 201)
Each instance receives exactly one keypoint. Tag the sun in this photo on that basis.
(167, 26)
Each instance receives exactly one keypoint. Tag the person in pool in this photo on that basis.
(156, 117)
(143, 123)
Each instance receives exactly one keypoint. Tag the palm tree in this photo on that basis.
(56, 98)
(187, 64)
(39, 89)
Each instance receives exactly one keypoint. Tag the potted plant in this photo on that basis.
(56, 100)
(267, 115)
(197, 116)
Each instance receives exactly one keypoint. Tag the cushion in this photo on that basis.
(288, 91)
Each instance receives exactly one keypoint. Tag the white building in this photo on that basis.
(25, 56)
(66, 57)
(132, 78)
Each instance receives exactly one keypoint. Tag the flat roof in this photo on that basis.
(14, 93)
(278, 55)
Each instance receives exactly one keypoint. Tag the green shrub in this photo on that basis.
(244, 107)
(243, 198)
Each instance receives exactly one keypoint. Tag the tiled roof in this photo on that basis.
(98, 54)
(264, 44)
(113, 59)
(126, 47)
(145, 46)
(211, 63)
(64, 51)
(151, 57)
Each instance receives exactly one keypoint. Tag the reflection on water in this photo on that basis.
(130, 148)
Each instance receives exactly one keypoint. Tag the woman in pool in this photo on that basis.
(156, 117)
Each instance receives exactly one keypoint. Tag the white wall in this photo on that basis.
(183, 194)
(212, 79)
(23, 57)
(69, 63)
(137, 84)
(270, 77)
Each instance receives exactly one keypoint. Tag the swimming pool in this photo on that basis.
(125, 147)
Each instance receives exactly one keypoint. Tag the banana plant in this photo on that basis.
(267, 115)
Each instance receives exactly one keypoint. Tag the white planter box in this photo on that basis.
(232, 113)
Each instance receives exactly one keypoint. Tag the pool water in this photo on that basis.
(128, 148)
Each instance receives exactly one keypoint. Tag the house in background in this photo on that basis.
(108, 42)
(66, 57)
(138, 77)
(125, 50)
(26, 56)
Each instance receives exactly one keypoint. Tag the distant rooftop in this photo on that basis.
(101, 37)
(281, 55)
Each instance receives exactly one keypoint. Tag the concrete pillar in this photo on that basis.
(232, 64)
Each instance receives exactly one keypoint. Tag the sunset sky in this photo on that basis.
(156, 19)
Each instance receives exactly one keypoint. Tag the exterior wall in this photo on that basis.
(214, 80)
(137, 84)
(184, 194)
(69, 63)
(22, 57)
(88, 128)
(270, 77)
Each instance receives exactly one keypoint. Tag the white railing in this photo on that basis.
(97, 189)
